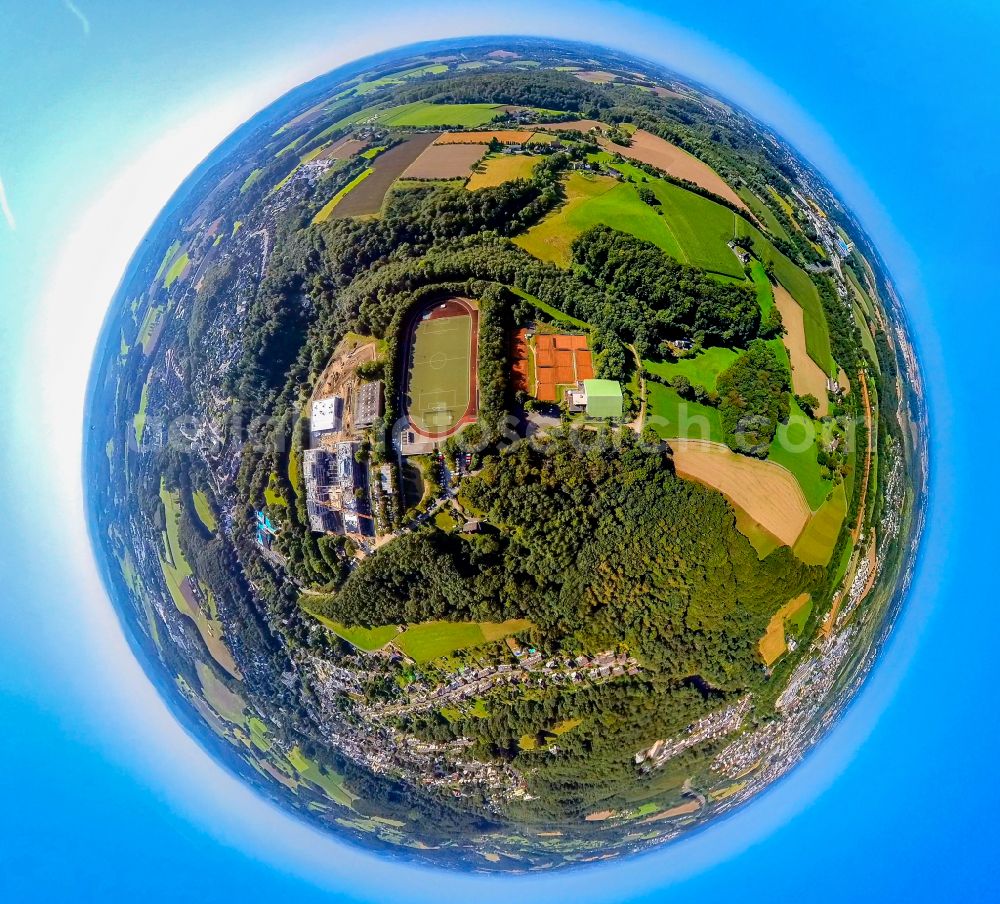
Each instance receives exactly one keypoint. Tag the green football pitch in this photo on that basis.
(440, 383)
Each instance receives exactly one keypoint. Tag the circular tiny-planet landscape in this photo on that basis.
(507, 454)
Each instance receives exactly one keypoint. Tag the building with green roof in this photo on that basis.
(604, 398)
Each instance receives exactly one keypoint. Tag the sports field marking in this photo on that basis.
(767, 492)
(441, 352)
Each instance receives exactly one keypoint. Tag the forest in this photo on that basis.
(595, 540)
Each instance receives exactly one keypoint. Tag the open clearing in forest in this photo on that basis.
(591, 201)
(495, 171)
(772, 644)
(425, 641)
(808, 377)
(445, 161)
(365, 639)
(366, 198)
(674, 418)
(432, 640)
(702, 369)
(816, 544)
(441, 382)
(767, 492)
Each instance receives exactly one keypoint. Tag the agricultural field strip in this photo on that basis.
(768, 492)
(808, 377)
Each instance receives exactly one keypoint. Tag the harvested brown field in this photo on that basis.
(502, 168)
(772, 644)
(660, 91)
(766, 491)
(445, 161)
(658, 152)
(684, 809)
(367, 198)
(596, 77)
(807, 376)
(504, 136)
(343, 149)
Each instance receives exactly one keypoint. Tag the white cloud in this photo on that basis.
(76, 11)
(8, 214)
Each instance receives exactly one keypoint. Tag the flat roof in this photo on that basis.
(327, 415)
(604, 398)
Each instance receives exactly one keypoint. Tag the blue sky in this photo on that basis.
(109, 104)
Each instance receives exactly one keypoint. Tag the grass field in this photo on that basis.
(864, 299)
(590, 201)
(226, 703)
(815, 546)
(423, 115)
(432, 640)
(761, 539)
(763, 213)
(398, 78)
(803, 290)
(794, 447)
(203, 509)
(250, 181)
(176, 571)
(148, 326)
(700, 227)
(673, 418)
(502, 168)
(703, 369)
(176, 270)
(428, 640)
(867, 340)
(168, 256)
(554, 313)
(139, 420)
(366, 639)
(767, 492)
(327, 209)
(772, 644)
(291, 146)
(651, 149)
(331, 783)
(438, 386)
